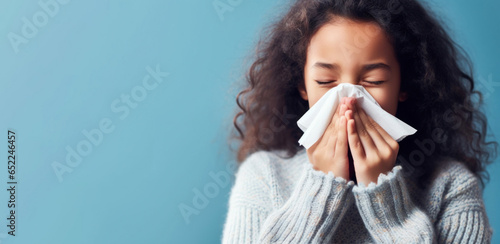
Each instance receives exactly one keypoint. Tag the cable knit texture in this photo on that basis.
(277, 200)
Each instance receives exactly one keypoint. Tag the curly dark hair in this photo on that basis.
(435, 72)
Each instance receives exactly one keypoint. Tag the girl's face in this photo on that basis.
(359, 53)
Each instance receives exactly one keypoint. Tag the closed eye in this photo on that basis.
(370, 82)
(374, 82)
(324, 82)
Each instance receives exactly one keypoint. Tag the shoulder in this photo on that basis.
(255, 166)
(255, 179)
(455, 174)
(264, 164)
(456, 186)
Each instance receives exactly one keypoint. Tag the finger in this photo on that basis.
(342, 109)
(372, 128)
(334, 119)
(324, 140)
(364, 136)
(342, 147)
(381, 130)
(357, 150)
(332, 140)
(383, 133)
(342, 143)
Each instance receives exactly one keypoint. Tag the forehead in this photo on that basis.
(347, 40)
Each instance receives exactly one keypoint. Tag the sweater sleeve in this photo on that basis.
(463, 216)
(391, 217)
(389, 213)
(311, 213)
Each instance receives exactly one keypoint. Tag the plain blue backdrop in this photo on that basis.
(98, 69)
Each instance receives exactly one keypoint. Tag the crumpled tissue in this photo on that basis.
(315, 121)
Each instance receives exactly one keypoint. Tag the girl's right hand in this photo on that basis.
(329, 153)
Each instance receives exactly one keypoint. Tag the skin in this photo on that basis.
(346, 51)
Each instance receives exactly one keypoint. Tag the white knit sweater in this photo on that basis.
(276, 200)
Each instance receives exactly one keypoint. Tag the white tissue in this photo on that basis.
(315, 121)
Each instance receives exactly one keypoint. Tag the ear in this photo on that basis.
(302, 91)
(403, 96)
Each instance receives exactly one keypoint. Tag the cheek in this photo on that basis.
(312, 100)
(387, 100)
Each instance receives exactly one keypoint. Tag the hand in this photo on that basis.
(329, 153)
(372, 148)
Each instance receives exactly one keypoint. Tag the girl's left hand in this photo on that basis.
(373, 149)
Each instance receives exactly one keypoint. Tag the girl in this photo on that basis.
(356, 184)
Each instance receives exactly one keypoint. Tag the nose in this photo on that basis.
(349, 101)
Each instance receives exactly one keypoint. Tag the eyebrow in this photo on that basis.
(365, 68)
(326, 66)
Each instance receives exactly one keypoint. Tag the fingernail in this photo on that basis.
(349, 114)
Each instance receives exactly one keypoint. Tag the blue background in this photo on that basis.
(129, 187)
